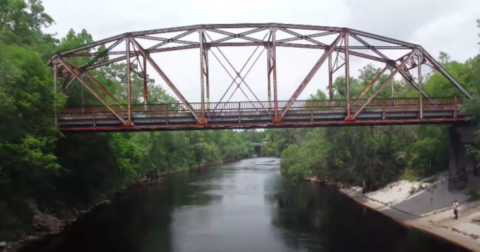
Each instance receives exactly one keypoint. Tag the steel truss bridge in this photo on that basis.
(337, 44)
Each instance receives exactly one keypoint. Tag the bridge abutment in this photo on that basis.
(459, 162)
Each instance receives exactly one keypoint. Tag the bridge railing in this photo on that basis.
(267, 107)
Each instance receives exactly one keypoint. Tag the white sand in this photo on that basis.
(428, 209)
(434, 197)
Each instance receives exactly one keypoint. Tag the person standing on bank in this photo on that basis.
(455, 208)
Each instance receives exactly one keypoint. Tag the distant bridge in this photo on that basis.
(337, 44)
(259, 144)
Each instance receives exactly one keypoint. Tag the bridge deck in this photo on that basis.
(261, 115)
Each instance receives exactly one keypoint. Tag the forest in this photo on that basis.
(40, 164)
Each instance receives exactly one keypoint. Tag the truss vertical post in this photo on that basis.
(346, 35)
(202, 74)
(145, 81)
(129, 83)
(83, 99)
(274, 70)
(269, 69)
(55, 93)
(330, 79)
(207, 75)
(420, 102)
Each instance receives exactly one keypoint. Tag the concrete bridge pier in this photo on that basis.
(460, 164)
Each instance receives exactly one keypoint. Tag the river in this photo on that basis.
(238, 207)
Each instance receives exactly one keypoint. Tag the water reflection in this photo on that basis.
(246, 206)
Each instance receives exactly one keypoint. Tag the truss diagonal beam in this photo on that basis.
(233, 35)
(397, 69)
(234, 80)
(237, 73)
(375, 50)
(166, 79)
(301, 37)
(246, 74)
(172, 39)
(66, 84)
(310, 75)
(66, 66)
(178, 41)
(440, 69)
(240, 34)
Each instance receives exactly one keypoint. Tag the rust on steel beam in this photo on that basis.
(310, 75)
(202, 74)
(207, 75)
(269, 71)
(372, 82)
(166, 79)
(274, 71)
(145, 81)
(129, 84)
(346, 35)
(268, 125)
(330, 79)
(397, 69)
(66, 66)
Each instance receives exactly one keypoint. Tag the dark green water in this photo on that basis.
(245, 206)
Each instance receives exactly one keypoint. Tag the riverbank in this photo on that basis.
(426, 206)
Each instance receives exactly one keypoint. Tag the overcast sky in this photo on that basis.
(437, 25)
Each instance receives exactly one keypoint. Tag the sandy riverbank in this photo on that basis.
(426, 208)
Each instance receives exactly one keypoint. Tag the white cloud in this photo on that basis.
(449, 26)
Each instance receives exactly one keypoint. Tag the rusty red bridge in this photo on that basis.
(336, 47)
